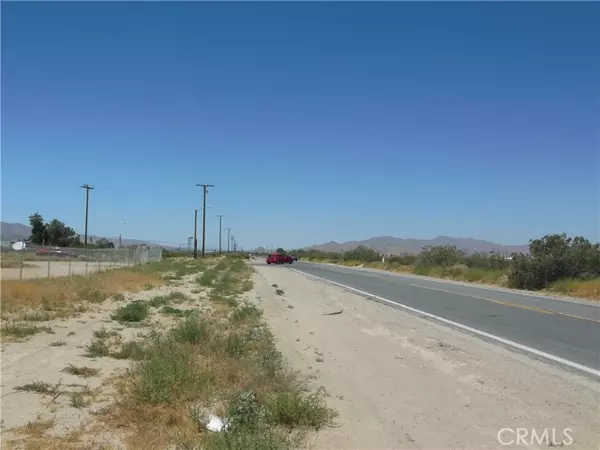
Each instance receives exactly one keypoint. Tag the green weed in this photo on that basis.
(97, 348)
(133, 312)
(246, 312)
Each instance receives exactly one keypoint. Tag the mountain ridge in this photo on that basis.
(397, 246)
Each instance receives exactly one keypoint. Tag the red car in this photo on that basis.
(279, 258)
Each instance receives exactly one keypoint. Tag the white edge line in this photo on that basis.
(498, 289)
(492, 337)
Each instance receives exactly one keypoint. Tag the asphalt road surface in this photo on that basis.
(565, 332)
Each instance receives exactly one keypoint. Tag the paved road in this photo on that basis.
(566, 330)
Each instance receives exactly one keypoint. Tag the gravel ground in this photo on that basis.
(42, 359)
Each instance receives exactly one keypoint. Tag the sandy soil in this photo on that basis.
(402, 382)
(57, 269)
(37, 359)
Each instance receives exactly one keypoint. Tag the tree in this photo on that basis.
(280, 250)
(59, 234)
(77, 242)
(39, 233)
(104, 243)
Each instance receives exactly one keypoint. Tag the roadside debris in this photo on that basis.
(215, 423)
(320, 357)
(279, 291)
(274, 286)
(333, 313)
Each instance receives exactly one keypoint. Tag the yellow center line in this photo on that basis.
(513, 305)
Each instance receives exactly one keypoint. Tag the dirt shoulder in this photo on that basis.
(152, 369)
(400, 381)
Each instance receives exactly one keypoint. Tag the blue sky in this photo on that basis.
(314, 121)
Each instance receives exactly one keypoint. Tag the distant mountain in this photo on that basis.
(17, 231)
(13, 231)
(399, 246)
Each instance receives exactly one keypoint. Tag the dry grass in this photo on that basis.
(588, 289)
(81, 371)
(222, 360)
(64, 293)
(14, 264)
(33, 436)
(226, 362)
(17, 331)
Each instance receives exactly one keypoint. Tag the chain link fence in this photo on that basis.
(47, 262)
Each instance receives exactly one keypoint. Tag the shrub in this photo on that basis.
(192, 330)
(362, 254)
(207, 278)
(169, 373)
(97, 348)
(440, 256)
(245, 312)
(299, 409)
(555, 257)
(130, 350)
(133, 312)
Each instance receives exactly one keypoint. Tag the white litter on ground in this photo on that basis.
(215, 423)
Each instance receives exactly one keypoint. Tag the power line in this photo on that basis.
(87, 188)
(205, 188)
(220, 216)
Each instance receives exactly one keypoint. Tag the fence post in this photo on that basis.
(87, 257)
(21, 268)
(49, 258)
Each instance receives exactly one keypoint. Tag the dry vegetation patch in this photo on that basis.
(212, 354)
(224, 363)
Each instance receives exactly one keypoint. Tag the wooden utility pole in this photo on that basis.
(220, 216)
(195, 233)
(205, 187)
(87, 188)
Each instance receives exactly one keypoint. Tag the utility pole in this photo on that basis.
(205, 187)
(228, 238)
(87, 188)
(195, 233)
(220, 216)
